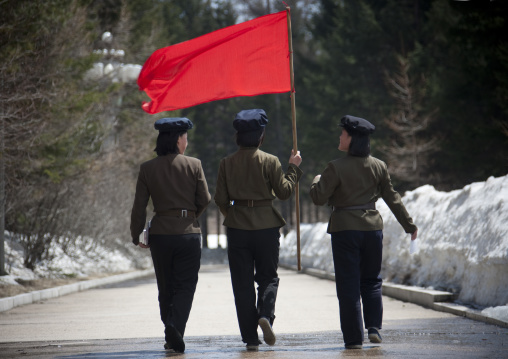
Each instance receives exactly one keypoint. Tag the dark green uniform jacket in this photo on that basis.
(174, 182)
(351, 181)
(251, 174)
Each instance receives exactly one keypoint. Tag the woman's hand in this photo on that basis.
(295, 159)
(143, 245)
(414, 235)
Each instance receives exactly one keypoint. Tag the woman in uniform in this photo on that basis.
(351, 185)
(177, 186)
(248, 181)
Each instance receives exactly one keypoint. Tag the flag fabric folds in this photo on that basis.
(247, 59)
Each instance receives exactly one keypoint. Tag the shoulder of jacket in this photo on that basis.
(149, 162)
(272, 161)
(377, 161)
(266, 155)
(338, 162)
(226, 159)
(189, 159)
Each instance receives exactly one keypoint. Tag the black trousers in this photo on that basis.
(176, 260)
(253, 257)
(357, 259)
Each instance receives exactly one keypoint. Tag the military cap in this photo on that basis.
(250, 120)
(173, 124)
(357, 125)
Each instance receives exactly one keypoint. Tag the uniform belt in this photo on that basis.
(252, 202)
(183, 213)
(370, 205)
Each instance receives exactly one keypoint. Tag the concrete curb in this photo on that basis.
(36, 296)
(416, 295)
(432, 299)
(463, 311)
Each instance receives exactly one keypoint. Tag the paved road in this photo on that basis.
(122, 321)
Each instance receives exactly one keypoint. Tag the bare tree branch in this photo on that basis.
(409, 154)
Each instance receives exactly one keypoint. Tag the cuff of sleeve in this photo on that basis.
(297, 170)
(412, 229)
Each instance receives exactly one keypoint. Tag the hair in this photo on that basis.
(251, 138)
(360, 144)
(167, 142)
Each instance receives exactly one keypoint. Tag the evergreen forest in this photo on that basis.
(432, 75)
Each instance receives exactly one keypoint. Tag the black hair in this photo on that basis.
(167, 142)
(251, 138)
(360, 144)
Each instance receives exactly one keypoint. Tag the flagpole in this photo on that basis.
(295, 143)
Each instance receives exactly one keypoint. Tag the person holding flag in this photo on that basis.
(248, 181)
(251, 58)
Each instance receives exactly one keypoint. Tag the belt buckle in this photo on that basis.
(184, 213)
(250, 203)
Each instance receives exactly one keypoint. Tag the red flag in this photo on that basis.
(247, 59)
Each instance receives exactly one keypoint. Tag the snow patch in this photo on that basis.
(80, 258)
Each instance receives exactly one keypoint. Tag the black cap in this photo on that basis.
(250, 120)
(357, 125)
(173, 124)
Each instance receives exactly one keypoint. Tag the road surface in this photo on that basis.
(122, 321)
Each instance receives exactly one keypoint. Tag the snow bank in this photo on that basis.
(84, 257)
(81, 259)
(463, 242)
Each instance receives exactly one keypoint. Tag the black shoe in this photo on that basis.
(174, 339)
(252, 347)
(268, 334)
(374, 336)
(354, 346)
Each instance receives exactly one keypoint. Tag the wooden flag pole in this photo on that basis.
(295, 143)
